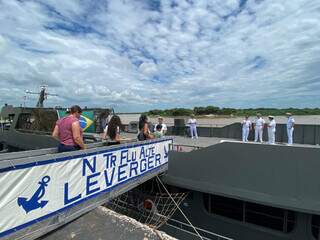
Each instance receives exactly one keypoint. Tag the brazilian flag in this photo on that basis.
(86, 120)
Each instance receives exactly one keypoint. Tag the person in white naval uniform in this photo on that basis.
(258, 128)
(192, 122)
(163, 126)
(290, 127)
(246, 128)
(271, 130)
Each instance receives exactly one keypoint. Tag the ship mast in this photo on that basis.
(42, 95)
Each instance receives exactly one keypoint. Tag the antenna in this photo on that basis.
(112, 107)
(24, 101)
(42, 95)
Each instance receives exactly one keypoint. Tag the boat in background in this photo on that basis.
(28, 128)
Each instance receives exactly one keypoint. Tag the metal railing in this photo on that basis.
(184, 147)
(207, 235)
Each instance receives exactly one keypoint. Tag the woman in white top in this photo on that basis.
(192, 122)
(112, 130)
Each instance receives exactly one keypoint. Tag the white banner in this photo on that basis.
(32, 192)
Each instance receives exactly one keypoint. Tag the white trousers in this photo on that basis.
(271, 136)
(258, 132)
(290, 135)
(193, 131)
(245, 134)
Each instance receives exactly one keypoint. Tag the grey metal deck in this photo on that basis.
(187, 143)
(180, 140)
(199, 142)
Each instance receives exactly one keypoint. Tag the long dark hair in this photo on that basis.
(142, 120)
(112, 126)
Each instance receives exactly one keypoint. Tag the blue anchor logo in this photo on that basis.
(165, 152)
(34, 202)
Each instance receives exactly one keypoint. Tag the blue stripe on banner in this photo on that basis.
(62, 159)
(45, 162)
(20, 227)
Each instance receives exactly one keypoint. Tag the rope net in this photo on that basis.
(148, 204)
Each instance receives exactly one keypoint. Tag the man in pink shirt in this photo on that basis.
(69, 132)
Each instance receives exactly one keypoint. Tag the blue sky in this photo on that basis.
(142, 54)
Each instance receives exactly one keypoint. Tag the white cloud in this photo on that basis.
(98, 53)
(148, 68)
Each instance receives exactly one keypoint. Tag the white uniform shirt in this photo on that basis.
(260, 122)
(272, 125)
(163, 128)
(192, 122)
(246, 124)
(290, 122)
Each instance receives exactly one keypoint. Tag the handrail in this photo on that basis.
(178, 147)
(199, 229)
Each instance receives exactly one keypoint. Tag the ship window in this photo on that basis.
(315, 224)
(223, 206)
(11, 117)
(227, 207)
(291, 221)
(266, 216)
(206, 201)
(37, 120)
(24, 121)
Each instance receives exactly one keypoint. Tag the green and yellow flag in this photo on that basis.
(86, 120)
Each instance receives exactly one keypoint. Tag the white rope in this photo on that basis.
(180, 209)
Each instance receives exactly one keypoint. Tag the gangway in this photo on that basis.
(42, 190)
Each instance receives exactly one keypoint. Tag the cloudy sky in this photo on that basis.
(143, 54)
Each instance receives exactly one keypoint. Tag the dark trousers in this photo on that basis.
(67, 148)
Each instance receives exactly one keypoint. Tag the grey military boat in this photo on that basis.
(246, 190)
(241, 190)
(29, 128)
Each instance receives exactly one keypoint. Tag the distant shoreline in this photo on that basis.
(218, 121)
(232, 112)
